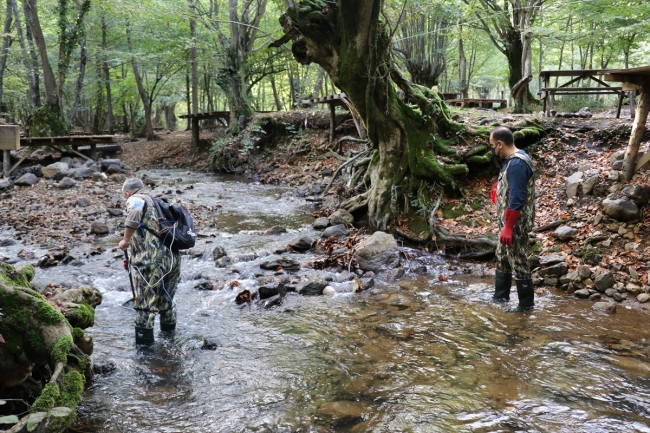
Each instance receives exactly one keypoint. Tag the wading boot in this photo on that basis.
(526, 294)
(502, 283)
(167, 327)
(143, 335)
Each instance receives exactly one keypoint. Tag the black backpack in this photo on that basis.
(174, 223)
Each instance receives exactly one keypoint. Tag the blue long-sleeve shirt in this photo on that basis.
(518, 175)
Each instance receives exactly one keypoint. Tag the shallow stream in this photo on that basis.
(414, 355)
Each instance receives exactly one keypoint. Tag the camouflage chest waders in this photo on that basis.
(514, 258)
(157, 271)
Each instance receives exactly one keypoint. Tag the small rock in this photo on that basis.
(275, 230)
(633, 273)
(83, 202)
(633, 289)
(218, 252)
(610, 292)
(338, 231)
(281, 263)
(583, 271)
(604, 281)
(114, 212)
(643, 298)
(582, 294)
(618, 297)
(571, 277)
(607, 307)
(99, 228)
(620, 207)
(564, 233)
(312, 288)
(572, 184)
(555, 270)
(26, 179)
(639, 194)
(595, 297)
(551, 259)
(210, 344)
(321, 223)
(303, 243)
(329, 290)
(341, 216)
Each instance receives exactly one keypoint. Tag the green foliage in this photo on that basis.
(49, 122)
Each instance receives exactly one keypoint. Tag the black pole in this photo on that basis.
(127, 266)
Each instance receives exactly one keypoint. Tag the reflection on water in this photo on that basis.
(417, 356)
(401, 360)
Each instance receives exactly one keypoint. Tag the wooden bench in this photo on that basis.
(565, 89)
(478, 102)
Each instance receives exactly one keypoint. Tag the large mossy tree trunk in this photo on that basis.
(415, 143)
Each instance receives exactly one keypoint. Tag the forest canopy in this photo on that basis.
(107, 66)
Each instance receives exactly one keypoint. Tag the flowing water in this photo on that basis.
(416, 355)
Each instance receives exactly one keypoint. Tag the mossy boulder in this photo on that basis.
(37, 340)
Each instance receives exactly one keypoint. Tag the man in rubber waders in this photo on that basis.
(155, 268)
(514, 195)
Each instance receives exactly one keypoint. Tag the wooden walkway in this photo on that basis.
(64, 144)
(478, 102)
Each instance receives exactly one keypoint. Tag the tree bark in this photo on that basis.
(80, 79)
(107, 78)
(6, 42)
(194, 75)
(462, 65)
(146, 101)
(349, 42)
(12, 8)
(31, 15)
(276, 98)
(629, 161)
(34, 61)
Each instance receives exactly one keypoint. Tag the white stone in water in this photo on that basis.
(329, 290)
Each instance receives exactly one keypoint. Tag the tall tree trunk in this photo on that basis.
(146, 101)
(318, 86)
(188, 99)
(349, 42)
(462, 65)
(31, 15)
(80, 79)
(6, 42)
(276, 98)
(34, 61)
(170, 116)
(48, 120)
(195, 78)
(107, 78)
(12, 9)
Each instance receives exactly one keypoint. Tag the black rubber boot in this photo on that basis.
(502, 284)
(526, 293)
(143, 335)
(167, 327)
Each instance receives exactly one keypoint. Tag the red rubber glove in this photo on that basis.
(493, 192)
(506, 234)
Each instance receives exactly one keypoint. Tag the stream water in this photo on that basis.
(415, 355)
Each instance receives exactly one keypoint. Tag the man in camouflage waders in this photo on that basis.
(515, 200)
(155, 268)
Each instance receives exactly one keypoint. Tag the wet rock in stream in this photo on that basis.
(281, 263)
